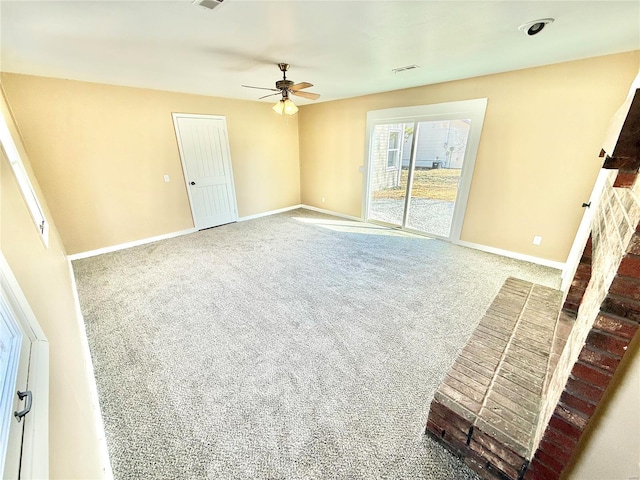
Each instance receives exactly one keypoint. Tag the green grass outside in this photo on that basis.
(438, 184)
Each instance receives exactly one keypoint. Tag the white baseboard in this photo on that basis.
(266, 214)
(331, 212)
(91, 380)
(135, 243)
(476, 246)
(515, 255)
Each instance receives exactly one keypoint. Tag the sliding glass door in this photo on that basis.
(419, 171)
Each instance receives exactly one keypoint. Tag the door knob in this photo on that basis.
(192, 183)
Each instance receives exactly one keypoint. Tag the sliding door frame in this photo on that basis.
(471, 109)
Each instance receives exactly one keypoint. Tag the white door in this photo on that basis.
(15, 349)
(206, 160)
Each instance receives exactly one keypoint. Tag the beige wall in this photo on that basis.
(43, 275)
(100, 153)
(537, 160)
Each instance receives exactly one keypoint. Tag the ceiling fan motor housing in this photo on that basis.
(283, 84)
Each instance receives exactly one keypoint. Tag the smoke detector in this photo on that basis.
(535, 27)
(210, 4)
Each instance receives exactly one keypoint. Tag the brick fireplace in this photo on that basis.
(592, 331)
(604, 298)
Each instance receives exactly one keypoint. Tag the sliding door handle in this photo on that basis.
(27, 408)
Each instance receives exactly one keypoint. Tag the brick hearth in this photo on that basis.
(489, 404)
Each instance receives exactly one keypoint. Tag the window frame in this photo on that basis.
(24, 182)
(397, 150)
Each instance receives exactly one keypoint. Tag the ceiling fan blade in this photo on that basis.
(300, 86)
(261, 88)
(270, 95)
(309, 95)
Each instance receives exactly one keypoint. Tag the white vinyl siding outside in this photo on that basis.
(443, 146)
(386, 156)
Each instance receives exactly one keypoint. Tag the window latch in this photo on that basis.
(27, 408)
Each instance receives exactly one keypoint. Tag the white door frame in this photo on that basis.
(35, 440)
(472, 109)
(175, 117)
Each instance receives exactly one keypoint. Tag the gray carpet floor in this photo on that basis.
(296, 346)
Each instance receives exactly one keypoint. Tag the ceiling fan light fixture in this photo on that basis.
(290, 107)
(279, 107)
(285, 106)
(285, 88)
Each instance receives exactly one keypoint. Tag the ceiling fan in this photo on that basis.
(285, 88)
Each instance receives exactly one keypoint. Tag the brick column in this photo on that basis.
(616, 323)
(606, 345)
(580, 280)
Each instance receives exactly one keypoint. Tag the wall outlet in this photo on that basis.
(323, 199)
(166, 178)
(537, 240)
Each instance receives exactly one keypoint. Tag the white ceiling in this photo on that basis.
(345, 48)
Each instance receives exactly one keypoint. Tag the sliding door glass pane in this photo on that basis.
(440, 151)
(390, 151)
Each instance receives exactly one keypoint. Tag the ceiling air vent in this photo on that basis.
(405, 68)
(210, 4)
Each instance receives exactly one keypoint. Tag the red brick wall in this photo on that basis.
(606, 344)
(615, 324)
(611, 233)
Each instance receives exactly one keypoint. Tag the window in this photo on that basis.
(393, 150)
(22, 178)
